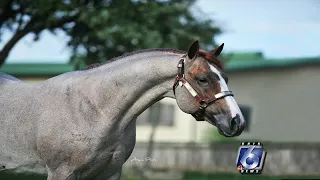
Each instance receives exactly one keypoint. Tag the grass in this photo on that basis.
(228, 176)
(11, 176)
(186, 176)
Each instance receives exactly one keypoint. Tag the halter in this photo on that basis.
(204, 102)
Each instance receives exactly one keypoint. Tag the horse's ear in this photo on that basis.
(193, 49)
(218, 50)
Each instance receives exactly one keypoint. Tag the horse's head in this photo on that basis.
(201, 90)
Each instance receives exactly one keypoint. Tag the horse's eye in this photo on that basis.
(202, 81)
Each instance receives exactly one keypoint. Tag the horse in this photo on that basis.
(81, 125)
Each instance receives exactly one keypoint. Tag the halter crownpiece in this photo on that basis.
(204, 102)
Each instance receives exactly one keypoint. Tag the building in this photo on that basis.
(36, 72)
(279, 98)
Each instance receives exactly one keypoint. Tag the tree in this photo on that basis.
(103, 29)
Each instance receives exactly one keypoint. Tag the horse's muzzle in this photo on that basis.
(235, 127)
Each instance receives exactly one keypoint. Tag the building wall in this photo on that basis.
(285, 103)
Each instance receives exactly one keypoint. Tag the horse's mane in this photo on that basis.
(133, 53)
(205, 54)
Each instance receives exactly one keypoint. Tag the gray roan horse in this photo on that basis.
(82, 124)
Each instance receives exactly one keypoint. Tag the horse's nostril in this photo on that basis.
(235, 121)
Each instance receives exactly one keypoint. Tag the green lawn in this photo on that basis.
(187, 176)
(227, 176)
(10, 176)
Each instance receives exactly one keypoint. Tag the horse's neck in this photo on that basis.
(126, 87)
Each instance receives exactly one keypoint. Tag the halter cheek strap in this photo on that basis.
(203, 101)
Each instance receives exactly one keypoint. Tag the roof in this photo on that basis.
(36, 69)
(236, 62)
(256, 61)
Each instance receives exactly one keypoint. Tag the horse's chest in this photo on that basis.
(124, 146)
(116, 154)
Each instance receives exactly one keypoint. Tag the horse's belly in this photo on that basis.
(21, 163)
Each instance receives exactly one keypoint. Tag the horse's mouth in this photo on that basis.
(221, 131)
(211, 122)
(230, 133)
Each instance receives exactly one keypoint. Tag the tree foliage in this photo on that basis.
(102, 29)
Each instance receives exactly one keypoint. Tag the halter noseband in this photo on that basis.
(204, 102)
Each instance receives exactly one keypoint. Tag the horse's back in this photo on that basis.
(5, 78)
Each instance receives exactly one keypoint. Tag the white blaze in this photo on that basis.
(233, 106)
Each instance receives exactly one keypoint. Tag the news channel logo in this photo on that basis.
(250, 158)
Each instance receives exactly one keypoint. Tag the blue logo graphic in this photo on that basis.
(251, 157)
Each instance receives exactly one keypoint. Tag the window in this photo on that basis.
(246, 111)
(159, 113)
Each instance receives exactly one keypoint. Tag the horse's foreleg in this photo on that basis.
(73, 176)
(49, 173)
(115, 176)
(109, 175)
(59, 176)
(62, 174)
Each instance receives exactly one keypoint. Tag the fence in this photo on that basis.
(281, 158)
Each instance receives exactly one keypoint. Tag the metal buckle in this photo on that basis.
(203, 104)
